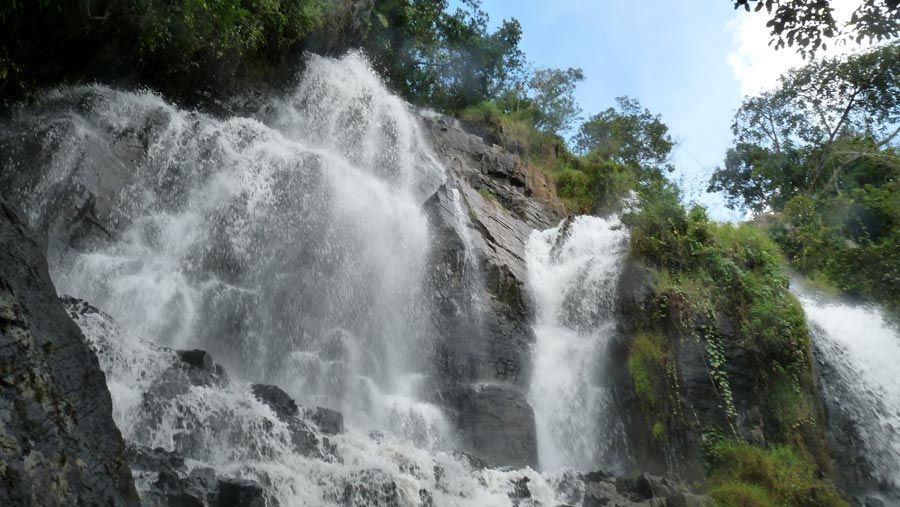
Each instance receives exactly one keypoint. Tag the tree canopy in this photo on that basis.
(446, 59)
(627, 134)
(820, 156)
(804, 135)
(809, 24)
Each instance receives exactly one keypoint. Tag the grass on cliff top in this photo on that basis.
(744, 475)
(584, 184)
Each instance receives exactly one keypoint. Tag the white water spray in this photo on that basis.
(572, 275)
(292, 246)
(859, 353)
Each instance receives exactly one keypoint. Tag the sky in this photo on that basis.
(692, 61)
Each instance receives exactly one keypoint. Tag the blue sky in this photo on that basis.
(691, 61)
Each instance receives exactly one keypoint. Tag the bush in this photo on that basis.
(167, 43)
(744, 474)
(707, 272)
(850, 242)
(646, 361)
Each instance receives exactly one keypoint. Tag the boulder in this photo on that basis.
(241, 493)
(495, 422)
(279, 401)
(199, 359)
(60, 445)
(330, 422)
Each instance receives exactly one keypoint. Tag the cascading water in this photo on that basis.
(292, 245)
(292, 248)
(572, 275)
(858, 351)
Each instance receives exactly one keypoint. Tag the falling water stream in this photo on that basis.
(858, 351)
(292, 245)
(572, 274)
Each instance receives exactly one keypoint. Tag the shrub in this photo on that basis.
(646, 362)
(744, 474)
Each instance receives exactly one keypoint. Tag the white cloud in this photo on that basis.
(756, 65)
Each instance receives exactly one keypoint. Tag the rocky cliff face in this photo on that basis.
(689, 409)
(58, 442)
(484, 351)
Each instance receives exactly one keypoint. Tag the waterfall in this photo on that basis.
(572, 275)
(858, 352)
(291, 244)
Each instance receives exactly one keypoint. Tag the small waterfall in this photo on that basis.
(858, 351)
(572, 275)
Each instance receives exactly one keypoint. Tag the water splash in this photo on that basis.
(229, 430)
(572, 275)
(859, 354)
(291, 246)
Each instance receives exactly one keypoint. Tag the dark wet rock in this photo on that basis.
(871, 501)
(193, 490)
(300, 423)
(601, 489)
(153, 460)
(199, 359)
(241, 493)
(170, 483)
(60, 445)
(694, 395)
(330, 422)
(520, 489)
(485, 339)
(495, 422)
(650, 486)
(371, 488)
(279, 401)
(489, 207)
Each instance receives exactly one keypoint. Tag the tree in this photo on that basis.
(807, 24)
(802, 136)
(553, 94)
(437, 57)
(627, 134)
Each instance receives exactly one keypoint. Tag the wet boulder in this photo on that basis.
(60, 445)
(496, 423)
(241, 493)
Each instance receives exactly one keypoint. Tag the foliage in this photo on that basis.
(437, 57)
(553, 94)
(807, 24)
(820, 123)
(705, 271)
(821, 153)
(46, 41)
(434, 56)
(626, 134)
(645, 361)
(743, 474)
(851, 242)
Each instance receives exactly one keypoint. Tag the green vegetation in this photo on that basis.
(808, 25)
(646, 361)
(744, 475)
(187, 42)
(706, 270)
(610, 163)
(434, 56)
(820, 156)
